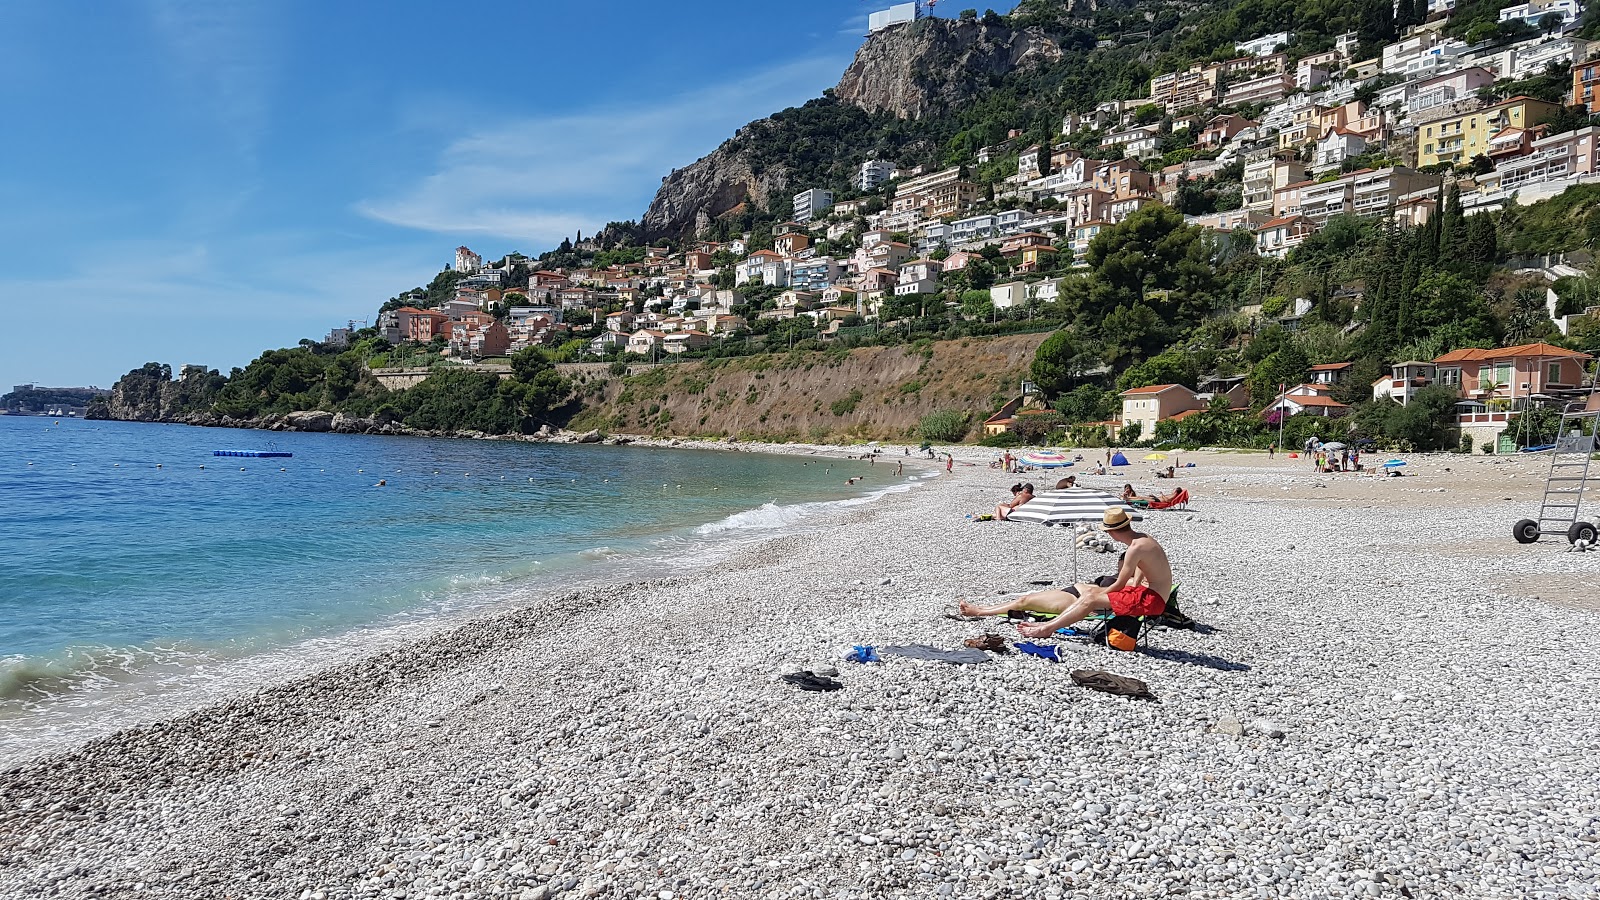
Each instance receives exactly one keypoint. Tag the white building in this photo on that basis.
(1008, 295)
(1266, 45)
(1533, 11)
(811, 203)
(1137, 142)
(898, 14)
(1337, 145)
(873, 173)
(467, 262)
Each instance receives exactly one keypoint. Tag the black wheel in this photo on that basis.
(1526, 531)
(1582, 531)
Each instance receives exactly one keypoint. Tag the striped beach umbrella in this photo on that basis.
(1045, 459)
(1069, 506)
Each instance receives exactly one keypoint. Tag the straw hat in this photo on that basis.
(1115, 519)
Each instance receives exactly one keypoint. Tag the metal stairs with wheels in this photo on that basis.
(1570, 461)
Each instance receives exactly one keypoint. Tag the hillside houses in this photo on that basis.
(1291, 134)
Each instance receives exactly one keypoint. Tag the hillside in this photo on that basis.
(871, 392)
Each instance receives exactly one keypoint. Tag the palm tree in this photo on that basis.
(1528, 318)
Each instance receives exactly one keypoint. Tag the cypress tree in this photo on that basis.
(1452, 228)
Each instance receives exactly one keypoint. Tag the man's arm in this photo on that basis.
(1130, 565)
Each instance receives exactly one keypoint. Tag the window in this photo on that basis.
(1502, 374)
(1553, 374)
(1450, 376)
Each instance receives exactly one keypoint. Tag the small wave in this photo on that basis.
(599, 553)
(765, 517)
(35, 678)
(770, 516)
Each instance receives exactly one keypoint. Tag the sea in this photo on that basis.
(141, 576)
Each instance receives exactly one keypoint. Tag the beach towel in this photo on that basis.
(807, 681)
(1121, 685)
(934, 654)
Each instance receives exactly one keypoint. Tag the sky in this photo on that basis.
(196, 181)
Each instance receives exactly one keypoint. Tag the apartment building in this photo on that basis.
(1458, 138)
(873, 172)
(1535, 10)
(1266, 45)
(1447, 88)
(1365, 192)
(1278, 236)
(1571, 154)
(1263, 89)
(1585, 80)
(1263, 178)
(1195, 86)
(1142, 141)
(809, 204)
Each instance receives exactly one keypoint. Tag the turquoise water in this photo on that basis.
(137, 569)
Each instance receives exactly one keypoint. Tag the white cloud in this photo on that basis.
(538, 179)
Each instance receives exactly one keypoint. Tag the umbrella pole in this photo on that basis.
(1075, 554)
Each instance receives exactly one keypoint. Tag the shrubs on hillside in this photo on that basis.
(947, 426)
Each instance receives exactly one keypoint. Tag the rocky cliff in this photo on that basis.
(929, 66)
(911, 71)
(691, 197)
(861, 394)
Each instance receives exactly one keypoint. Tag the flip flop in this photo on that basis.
(863, 655)
(807, 681)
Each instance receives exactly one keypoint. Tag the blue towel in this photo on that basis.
(1043, 651)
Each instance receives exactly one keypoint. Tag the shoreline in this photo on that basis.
(165, 683)
(632, 739)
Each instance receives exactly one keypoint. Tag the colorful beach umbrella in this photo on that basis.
(1394, 464)
(1157, 456)
(1045, 459)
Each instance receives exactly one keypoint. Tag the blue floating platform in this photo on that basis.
(254, 454)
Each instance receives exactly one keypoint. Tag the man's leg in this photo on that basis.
(1052, 601)
(1091, 599)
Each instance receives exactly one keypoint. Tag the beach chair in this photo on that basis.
(1180, 501)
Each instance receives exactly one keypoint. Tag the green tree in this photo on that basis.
(1056, 364)
(1150, 279)
(1286, 367)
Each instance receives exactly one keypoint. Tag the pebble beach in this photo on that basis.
(1390, 698)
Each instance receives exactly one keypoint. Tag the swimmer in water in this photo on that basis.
(381, 482)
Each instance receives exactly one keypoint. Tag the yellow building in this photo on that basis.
(1459, 138)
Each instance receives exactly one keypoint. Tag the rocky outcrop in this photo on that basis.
(712, 186)
(929, 66)
(912, 71)
(150, 394)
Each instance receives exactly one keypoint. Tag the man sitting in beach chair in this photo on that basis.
(1142, 586)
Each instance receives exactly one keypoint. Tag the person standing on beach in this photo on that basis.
(949, 464)
(1144, 582)
(1272, 449)
(899, 467)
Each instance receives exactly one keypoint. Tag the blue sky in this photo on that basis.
(194, 181)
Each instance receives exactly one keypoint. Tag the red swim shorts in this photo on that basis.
(1136, 600)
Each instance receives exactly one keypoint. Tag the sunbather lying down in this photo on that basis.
(1144, 582)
